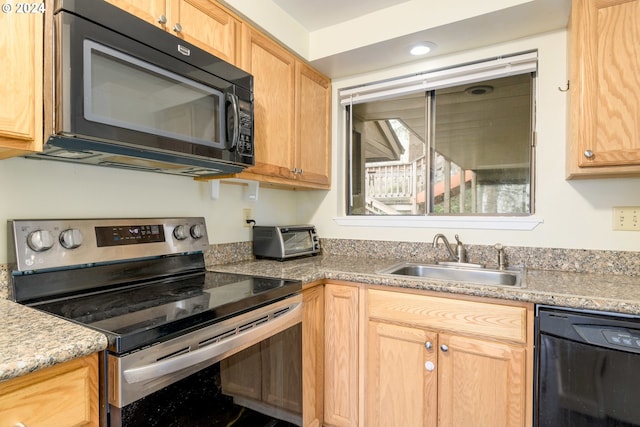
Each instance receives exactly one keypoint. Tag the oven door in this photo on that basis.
(115, 91)
(253, 360)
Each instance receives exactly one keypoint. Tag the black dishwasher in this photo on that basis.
(587, 369)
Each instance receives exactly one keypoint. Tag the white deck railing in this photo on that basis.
(392, 184)
(395, 180)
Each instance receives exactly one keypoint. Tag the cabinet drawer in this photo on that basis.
(470, 317)
(63, 395)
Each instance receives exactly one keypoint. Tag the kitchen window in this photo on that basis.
(451, 142)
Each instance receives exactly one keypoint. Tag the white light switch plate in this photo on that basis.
(626, 218)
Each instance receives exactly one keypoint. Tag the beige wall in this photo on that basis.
(47, 189)
(575, 214)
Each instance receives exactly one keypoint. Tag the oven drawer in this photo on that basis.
(63, 395)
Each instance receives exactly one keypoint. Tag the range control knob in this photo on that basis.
(196, 231)
(40, 240)
(71, 238)
(180, 232)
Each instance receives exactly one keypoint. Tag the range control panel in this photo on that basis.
(45, 244)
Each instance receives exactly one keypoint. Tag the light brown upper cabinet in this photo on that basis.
(292, 117)
(21, 84)
(199, 22)
(605, 89)
(313, 126)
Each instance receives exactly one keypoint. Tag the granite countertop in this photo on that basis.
(32, 340)
(590, 291)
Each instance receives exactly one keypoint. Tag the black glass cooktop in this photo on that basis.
(138, 315)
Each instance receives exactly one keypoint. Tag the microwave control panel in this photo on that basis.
(245, 143)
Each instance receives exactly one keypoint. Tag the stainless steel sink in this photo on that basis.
(457, 273)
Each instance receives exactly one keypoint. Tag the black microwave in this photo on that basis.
(128, 94)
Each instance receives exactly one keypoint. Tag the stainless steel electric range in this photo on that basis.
(143, 283)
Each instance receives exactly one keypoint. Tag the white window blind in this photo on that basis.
(503, 66)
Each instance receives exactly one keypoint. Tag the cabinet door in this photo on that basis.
(241, 374)
(273, 70)
(605, 88)
(313, 126)
(151, 11)
(480, 383)
(312, 362)
(341, 355)
(21, 84)
(63, 395)
(401, 385)
(282, 370)
(207, 26)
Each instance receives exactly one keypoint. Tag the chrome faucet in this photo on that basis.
(460, 254)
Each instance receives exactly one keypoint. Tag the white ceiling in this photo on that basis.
(346, 37)
(314, 15)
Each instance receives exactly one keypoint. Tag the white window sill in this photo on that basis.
(524, 223)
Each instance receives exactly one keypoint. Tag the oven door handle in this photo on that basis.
(217, 351)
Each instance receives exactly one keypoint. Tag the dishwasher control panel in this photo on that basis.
(623, 337)
(610, 337)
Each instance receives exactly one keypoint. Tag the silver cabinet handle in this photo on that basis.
(429, 366)
(162, 20)
(428, 345)
(589, 154)
(444, 347)
(177, 28)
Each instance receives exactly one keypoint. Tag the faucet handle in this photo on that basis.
(461, 252)
(501, 261)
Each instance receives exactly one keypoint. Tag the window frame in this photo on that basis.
(469, 73)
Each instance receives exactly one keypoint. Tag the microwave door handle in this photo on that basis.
(233, 99)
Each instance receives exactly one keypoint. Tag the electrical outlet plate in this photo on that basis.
(247, 214)
(626, 218)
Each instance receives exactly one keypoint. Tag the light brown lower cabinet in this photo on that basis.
(438, 361)
(313, 357)
(282, 376)
(62, 395)
(400, 391)
(413, 358)
(341, 352)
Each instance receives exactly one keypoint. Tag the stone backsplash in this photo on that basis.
(573, 260)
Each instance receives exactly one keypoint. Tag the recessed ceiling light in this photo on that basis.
(422, 48)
